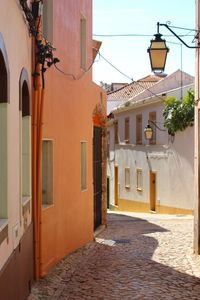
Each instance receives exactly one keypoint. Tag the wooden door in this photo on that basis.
(108, 192)
(152, 191)
(116, 186)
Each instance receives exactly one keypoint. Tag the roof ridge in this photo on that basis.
(131, 83)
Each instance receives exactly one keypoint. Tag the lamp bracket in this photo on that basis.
(176, 35)
(155, 124)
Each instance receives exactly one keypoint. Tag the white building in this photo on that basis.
(124, 93)
(156, 175)
(16, 226)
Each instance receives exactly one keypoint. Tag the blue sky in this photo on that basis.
(129, 54)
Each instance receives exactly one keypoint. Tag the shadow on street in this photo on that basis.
(123, 263)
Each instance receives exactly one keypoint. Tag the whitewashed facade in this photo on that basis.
(16, 227)
(157, 177)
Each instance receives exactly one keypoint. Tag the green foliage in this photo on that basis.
(179, 114)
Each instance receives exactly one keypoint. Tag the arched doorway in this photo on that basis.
(3, 136)
(25, 147)
(3, 80)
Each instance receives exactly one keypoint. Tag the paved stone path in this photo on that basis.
(138, 256)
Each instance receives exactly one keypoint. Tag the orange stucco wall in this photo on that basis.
(68, 120)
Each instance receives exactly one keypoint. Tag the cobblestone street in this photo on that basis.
(138, 256)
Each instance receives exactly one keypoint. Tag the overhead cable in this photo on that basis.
(134, 81)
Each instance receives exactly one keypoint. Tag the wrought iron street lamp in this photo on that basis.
(158, 52)
(158, 49)
(148, 130)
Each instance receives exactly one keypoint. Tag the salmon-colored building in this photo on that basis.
(58, 213)
(73, 117)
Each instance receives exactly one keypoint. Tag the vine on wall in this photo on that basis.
(179, 114)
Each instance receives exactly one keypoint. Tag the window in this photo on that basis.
(25, 138)
(47, 20)
(108, 144)
(127, 177)
(101, 98)
(116, 131)
(139, 129)
(152, 117)
(83, 42)
(3, 138)
(139, 180)
(47, 172)
(126, 130)
(83, 166)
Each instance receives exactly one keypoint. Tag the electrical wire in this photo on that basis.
(182, 28)
(148, 35)
(137, 35)
(134, 81)
(119, 35)
(72, 75)
(66, 74)
(147, 89)
(128, 77)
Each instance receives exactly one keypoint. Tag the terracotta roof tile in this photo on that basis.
(133, 88)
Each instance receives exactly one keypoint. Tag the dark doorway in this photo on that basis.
(3, 80)
(97, 175)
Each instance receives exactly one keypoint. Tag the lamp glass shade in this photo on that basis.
(158, 53)
(148, 132)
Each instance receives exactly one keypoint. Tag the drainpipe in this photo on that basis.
(39, 174)
(34, 181)
(37, 113)
(42, 59)
(33, 20)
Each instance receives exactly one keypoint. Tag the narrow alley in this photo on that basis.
(138, 256)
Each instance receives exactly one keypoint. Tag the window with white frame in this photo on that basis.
(47, 172)
(127, 177)
(83, 166)
(83, 42)
(139, 179)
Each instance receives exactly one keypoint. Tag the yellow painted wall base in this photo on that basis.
(137, 206)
